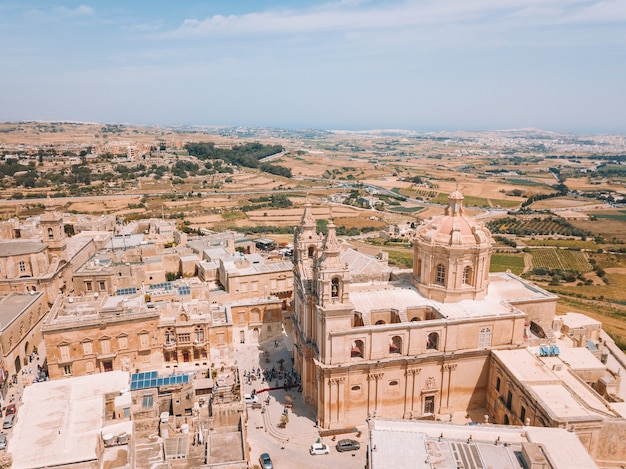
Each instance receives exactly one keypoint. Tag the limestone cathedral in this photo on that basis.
(370, 342)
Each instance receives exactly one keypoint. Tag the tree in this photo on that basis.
(171, 276)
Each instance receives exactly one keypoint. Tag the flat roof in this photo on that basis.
(580, 358)
(369, 297)
(60, 422)
(575, 320)
(511, 288)
(424, 445)
(550, 381)
(125, 241)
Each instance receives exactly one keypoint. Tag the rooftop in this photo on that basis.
(63, 420)
(551, 382)
(424, 445)
(503, 289)
(19, 248)
(12, 305)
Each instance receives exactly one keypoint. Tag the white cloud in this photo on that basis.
(81, 10)
(609, 11)
(355, 15)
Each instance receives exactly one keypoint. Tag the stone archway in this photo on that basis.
(18, 364)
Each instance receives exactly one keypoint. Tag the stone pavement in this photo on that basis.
(289, 446)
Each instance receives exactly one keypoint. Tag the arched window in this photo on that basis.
(358, 320)
(50, 233)
(484, 338)
(334, 287)
(169, 336)
(433, 341)
(380, 322)
(311, 252)
(440, 279)
(395, 344)
(357, 349)
(415, 319)
(467, 276)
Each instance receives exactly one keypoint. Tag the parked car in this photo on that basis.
(3, 441)
(250, 400)
(9, 421)
(265, 461)
(11, 409)
(348, 445)
(319, 448)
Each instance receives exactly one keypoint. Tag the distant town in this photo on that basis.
(257, 298)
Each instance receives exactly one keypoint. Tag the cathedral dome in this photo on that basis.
(454, 228)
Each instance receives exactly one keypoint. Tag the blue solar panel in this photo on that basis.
(150, 379)
(184, 290)
(126, 291)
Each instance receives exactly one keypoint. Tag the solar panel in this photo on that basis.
(167, 286)
(126, 291)
(184, 290)
(150, 379)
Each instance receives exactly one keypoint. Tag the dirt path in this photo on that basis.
(528, 262)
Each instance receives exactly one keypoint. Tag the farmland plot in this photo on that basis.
(560, 259)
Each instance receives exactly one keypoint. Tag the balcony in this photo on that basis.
(169, 346)
(200, 344)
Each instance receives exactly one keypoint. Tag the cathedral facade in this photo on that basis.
(370, 342)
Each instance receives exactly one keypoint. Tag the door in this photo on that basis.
(429, 405)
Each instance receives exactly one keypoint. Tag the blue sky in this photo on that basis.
(337, 64)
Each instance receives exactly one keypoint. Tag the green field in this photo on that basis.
(406, 209)
(470, 201)
(525, 182)
(612, 216)
(505, 203)
(546, 226)
(560, 259)
(400, 258)
(503, 262)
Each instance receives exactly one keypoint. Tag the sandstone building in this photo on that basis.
(446, 337)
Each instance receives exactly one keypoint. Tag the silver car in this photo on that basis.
(265, 461)
(9, 421)
(348, 445)
(3, 441)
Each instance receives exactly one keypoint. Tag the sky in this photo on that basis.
(423, 65)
